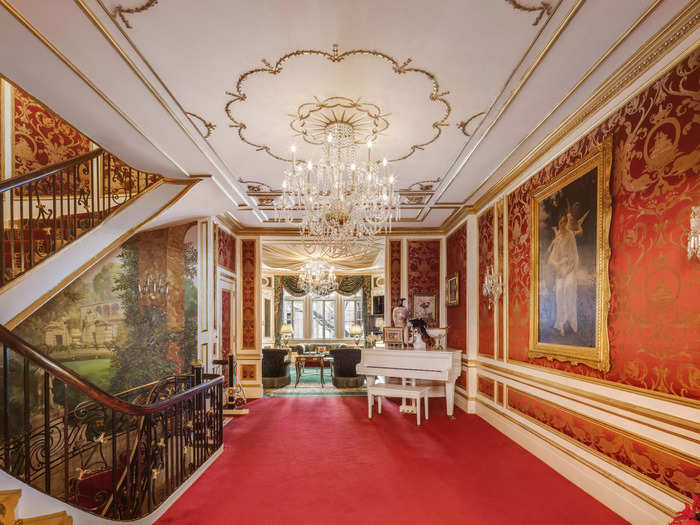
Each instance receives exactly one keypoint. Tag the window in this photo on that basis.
(294, 313)
(352, 312)
(323, 317)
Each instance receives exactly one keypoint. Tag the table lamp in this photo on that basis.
(286, 329)
(356, 331)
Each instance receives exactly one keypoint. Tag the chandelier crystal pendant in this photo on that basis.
(340, 202)
(317, 278)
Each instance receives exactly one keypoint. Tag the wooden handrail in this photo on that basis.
(86, 387)
(38, 174)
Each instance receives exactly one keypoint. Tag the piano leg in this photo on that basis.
(450, 399)
(370, 405)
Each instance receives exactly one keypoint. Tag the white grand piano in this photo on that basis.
(443, 366)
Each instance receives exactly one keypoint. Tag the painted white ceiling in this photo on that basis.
(129, 81)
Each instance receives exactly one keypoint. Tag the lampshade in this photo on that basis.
(286, 328)
(355, 329)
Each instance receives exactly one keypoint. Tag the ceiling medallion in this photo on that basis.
(400, 68)
(313, 118)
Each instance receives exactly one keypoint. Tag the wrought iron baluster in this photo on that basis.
(74, 190)
(12, 234)
(66, 456)
(31, 223)
(55, 223)
(6, 404)
(4, 238)
(114, 464)
(27, 429)
(21, 229)
(47, 433)
(63, 218)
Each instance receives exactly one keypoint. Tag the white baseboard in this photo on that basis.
(604, 489)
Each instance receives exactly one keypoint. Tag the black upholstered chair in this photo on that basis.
(345, 362)
(275, 368)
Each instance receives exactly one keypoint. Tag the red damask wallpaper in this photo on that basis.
(485, 227)
(225, 327)
(456, 253)
(395, 271)
(462, 380)
(654, 311)
(486, 386)
(678, 473)
(424, 273)
(40, 137)
(226, 250)
(499, 225)
(249, 250)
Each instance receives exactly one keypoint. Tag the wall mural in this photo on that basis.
(456, 263)
(654, 311)
(424, 273)
(113, 325)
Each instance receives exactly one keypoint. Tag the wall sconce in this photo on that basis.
(153, 290)
(694, 235)
(492, 287)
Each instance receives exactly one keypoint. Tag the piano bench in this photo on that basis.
(392, 390)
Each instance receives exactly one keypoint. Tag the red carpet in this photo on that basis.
(320, 460)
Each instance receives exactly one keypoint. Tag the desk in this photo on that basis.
(301, 361)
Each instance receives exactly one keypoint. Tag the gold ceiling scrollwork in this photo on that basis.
(312, 119)
(544, 8)
(463, 124)
(208, 126)
(120, 11)
(436, 95)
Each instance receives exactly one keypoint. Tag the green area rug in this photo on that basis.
(310, 386)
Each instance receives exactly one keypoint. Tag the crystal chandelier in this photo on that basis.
(317, 278)
(341, 202)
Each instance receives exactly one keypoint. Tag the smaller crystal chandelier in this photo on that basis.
(694, 235)
(317, 278)
(492, 287)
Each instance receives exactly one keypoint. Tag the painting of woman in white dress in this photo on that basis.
(567, 264)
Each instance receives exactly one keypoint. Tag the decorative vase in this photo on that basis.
(400, 314)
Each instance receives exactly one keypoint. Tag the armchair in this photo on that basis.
(275, 368)
(345, 362)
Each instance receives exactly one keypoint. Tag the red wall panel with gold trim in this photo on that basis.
(424, 272)
(456, 254)
(485, 228)
(395, 271)
(249, 254)
(226, 249)
(663, 466)
(486, 386)
(654, 312)
(40, 137)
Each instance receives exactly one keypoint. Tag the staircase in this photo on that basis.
(8, 506)
(114, 456)
(45, 210)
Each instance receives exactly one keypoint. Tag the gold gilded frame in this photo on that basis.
(597, 357)
(454, 277)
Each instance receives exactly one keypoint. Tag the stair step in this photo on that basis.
(8, 504)
(58, 518)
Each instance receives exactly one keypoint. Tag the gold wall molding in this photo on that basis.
(503, 412)
(436, 95)
(544, 8)
(612, 428)
(208, 126)
(120, 11)
(655, 49)
(16, 320)
(556, 389)
(464, 123)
